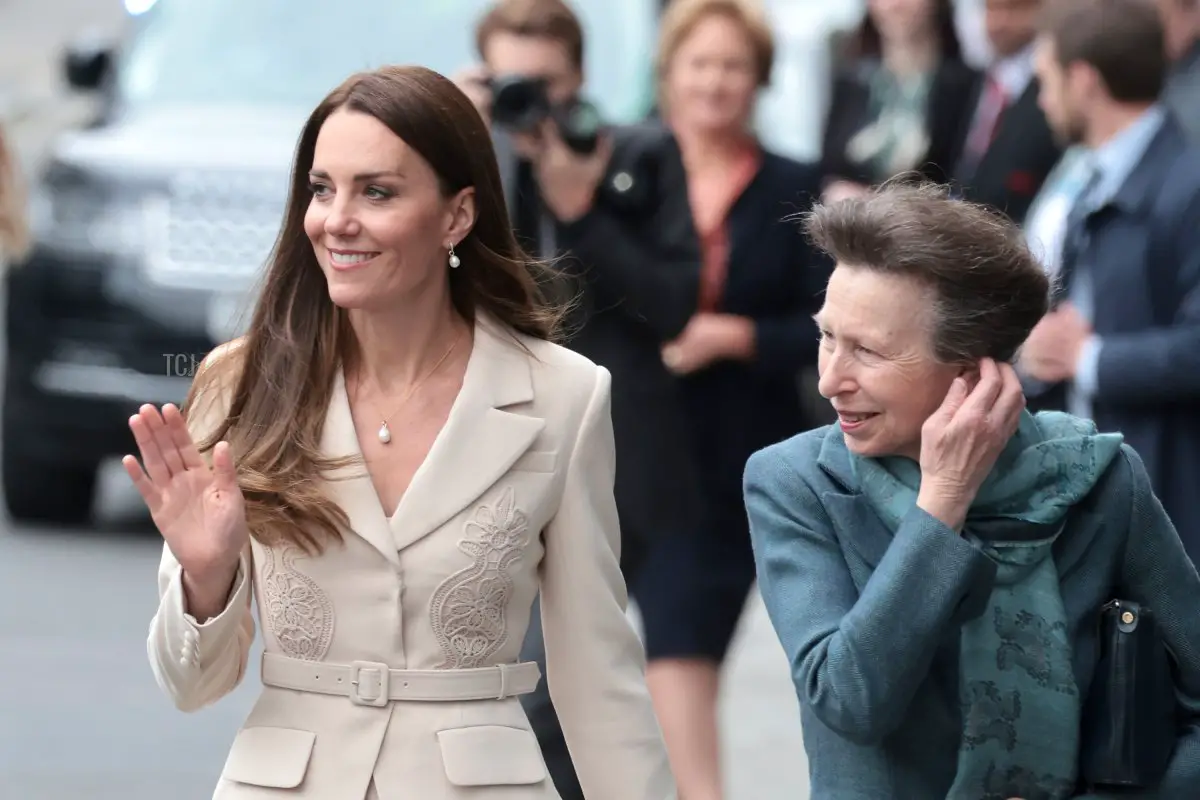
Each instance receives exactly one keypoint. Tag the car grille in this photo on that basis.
(215, 229)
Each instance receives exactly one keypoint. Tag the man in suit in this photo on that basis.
(1007, 149)
(1122, 345)
(620, 220)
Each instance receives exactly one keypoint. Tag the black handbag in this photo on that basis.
(1130, 716)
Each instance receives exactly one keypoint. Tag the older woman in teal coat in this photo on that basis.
(934, 562)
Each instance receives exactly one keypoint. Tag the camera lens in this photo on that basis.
(579, 123)
(519, 102)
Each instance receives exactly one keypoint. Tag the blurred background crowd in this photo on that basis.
(144, 151)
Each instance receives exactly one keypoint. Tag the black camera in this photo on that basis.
(522, 104)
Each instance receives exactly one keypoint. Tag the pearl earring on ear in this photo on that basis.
(454, 260)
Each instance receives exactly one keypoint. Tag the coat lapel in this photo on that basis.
(351, 488)
(856, 524)
(482, 438)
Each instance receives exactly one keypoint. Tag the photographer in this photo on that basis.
(611, 206)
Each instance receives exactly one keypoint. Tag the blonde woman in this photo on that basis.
(14, 231)
(737, 359)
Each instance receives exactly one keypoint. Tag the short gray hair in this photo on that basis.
(990, 289)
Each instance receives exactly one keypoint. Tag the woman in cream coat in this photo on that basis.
(399, 327)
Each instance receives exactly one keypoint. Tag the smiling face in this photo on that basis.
(876, 360)
(711, 80)
(378, 220)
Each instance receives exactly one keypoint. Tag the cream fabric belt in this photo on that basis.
(370, 683)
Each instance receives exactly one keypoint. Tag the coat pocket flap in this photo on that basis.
(271, 757)
(536, 461)
(491, 755)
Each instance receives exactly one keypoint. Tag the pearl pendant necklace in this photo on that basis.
(384, 434)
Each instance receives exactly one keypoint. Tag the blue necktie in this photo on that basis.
(1076, 235)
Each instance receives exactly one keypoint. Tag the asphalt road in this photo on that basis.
(80, 716)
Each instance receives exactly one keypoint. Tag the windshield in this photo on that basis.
(291, 53)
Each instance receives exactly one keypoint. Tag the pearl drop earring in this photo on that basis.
(454, 259)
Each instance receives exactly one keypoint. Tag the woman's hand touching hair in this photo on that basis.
(961, 441)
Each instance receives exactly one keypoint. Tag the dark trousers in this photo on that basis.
(538, 707)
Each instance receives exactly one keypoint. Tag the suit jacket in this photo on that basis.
(1021, 155)
(950, 103)
(870, 618)
(634, 261)
(515, 495)
(1142, 250)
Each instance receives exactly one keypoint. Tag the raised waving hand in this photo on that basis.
(199, 510)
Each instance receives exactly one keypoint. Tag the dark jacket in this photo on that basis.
(635, 264)
(1012, 171)
(777, 279)
(950, 105)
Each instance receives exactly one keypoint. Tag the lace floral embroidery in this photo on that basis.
(298, 613)
(468, 609)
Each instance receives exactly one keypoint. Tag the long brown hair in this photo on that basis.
(282, 373)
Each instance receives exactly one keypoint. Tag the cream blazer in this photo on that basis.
(515, 496)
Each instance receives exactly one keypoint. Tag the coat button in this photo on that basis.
(622, 181)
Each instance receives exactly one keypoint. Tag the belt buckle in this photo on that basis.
(357, 697)
(503, 681)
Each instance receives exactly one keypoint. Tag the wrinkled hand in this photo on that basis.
(961, 441)
(1052, 351)
(567, 181)
(199, 511)
(709, 338)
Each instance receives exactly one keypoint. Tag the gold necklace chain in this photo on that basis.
(384, 433)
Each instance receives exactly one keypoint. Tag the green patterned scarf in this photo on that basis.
(1020, 705)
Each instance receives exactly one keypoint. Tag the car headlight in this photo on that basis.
(75, 212)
